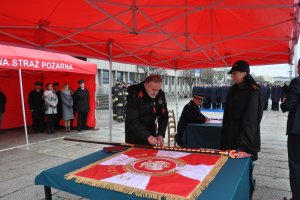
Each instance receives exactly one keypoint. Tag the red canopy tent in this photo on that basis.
(29, 66)
(182, 34)
(171, 34)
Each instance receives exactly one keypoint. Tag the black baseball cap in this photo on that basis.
(80, 81)
(38, 83)
(241, 66)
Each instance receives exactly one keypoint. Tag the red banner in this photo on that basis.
(152, 173)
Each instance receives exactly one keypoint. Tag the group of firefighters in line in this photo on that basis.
(119, 94)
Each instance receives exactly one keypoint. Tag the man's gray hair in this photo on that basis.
(153, 78)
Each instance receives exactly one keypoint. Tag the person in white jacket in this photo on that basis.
(51, 101)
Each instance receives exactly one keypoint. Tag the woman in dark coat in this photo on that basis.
(243, 112)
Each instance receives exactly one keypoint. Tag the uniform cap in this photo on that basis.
(80, 81)
(38, 83)
(241, 66)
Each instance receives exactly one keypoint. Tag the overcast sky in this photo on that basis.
(271, 70)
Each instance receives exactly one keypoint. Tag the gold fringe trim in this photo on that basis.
(140, 192)
(208, 178)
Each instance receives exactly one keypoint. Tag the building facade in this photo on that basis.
(129, 73)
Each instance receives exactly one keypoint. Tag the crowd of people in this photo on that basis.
(215, 96)
(48, 107)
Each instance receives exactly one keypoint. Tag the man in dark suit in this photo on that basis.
(292, 105)
(81, 102)
(190, 114)
(36, 102)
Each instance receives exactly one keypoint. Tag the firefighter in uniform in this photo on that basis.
(114, 92)
(121, 101)
(146, 104)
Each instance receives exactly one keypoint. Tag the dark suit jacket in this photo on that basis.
(292, 104)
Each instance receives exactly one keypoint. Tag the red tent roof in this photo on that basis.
(29, 59)
(181, 34)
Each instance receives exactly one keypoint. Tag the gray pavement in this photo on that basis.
(20, 165)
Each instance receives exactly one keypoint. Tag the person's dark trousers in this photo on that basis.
(273, 105)
(57, 121)
(223, 105)
(276, 106)
(81, 121)
(294, 164)
(38, 124)
(120, 113)
(266, 105)
(50, 120)
(214, 105)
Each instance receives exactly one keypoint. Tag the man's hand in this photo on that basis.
(160, 140)
(206, 119)
(152, 140)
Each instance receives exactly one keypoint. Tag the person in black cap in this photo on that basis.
(58, 116)
(190, 114)
(243, 112)
(36, 105)
(81, 103)
(292, 105)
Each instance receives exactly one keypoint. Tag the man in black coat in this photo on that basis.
(275, 96)
(190, 114)
(146, 103)
(2, 105)
(36, 104)
(81, 102)
(292, 105)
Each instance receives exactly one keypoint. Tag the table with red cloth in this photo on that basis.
(147, 173)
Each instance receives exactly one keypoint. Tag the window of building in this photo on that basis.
(120, 76)
(173, 80)
(105, 77)
(166, 80)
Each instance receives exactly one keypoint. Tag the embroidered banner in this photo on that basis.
(152, 173)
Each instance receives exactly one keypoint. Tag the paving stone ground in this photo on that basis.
(20, 165)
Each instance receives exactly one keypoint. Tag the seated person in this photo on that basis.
(190, 114)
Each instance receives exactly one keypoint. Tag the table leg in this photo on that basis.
(48, 194)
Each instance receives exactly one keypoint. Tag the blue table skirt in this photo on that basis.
(202, 136)
(232, 182)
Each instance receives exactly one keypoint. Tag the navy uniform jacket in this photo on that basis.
(141, 114)
(36, 102)
(81, 100)
(276, 93)
(190, 114)
(214, 94)
(292, 104)
(266, 92)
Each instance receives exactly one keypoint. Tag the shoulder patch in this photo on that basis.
(254, 87)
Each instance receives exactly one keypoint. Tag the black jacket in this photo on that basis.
(36, 102)
(190, 114)
(141, 114)
(292, 104)
(81, 100)
(242, 116)
(2, 102)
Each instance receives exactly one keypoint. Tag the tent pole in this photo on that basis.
(110, 91)
(176, 92)
(23, 106)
